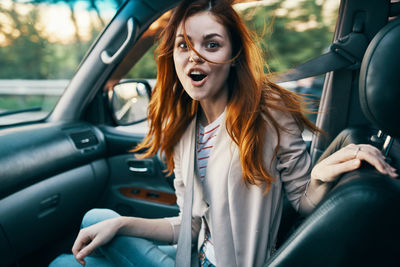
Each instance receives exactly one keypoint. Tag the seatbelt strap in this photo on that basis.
(184, 249)
(314, 67)
(346, 52)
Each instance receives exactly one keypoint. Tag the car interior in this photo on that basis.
(55, 169)
(356, 225)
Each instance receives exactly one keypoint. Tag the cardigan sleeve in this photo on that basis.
(179, 186)
(179, 192)
(293, 160)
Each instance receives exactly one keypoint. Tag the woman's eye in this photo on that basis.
(182, 45)
(212, 45)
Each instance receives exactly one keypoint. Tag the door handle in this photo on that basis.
(142, 166)
(106, 58)
(134, 169)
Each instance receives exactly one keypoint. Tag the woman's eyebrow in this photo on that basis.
(205, 37)
(212, 35)
(183, 36)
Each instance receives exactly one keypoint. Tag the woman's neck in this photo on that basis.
(213, 107)
(209, 114)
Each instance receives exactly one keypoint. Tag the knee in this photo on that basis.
(64, 260)
(94, 216)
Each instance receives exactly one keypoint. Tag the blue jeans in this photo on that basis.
(122, 250)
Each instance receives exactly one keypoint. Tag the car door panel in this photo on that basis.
(46, 207)
(52, 173)
(138, 187)
(31, 153)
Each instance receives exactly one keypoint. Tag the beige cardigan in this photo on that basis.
(243, 221)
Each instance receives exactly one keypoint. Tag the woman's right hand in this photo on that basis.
(94, 236)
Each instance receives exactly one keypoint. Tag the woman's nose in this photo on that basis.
(193, 57)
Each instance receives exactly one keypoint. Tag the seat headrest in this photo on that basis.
(380, 80)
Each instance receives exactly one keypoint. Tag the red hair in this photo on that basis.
(251, 96)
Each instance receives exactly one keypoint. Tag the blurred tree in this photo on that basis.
(290, 34)
(26, 47)
(25, 51)
(146, 67)
(93, 4)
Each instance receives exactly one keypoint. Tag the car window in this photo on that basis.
(289, 33)
(41, 45)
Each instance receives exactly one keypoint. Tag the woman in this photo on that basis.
(237, 136)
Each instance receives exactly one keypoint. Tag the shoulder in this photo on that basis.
(183, 149)
(282, 108)
(283, 130)
(281, 121)
(186, 137)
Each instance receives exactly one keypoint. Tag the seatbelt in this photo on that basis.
(184, 248)
(346, 52)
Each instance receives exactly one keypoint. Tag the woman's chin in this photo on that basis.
(196, 96)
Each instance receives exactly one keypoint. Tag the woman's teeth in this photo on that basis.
(197, 76)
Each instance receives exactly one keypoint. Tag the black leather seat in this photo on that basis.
(358, 223)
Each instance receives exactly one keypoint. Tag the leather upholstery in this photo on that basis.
(358, 222)
(380, 80)
(357, 225)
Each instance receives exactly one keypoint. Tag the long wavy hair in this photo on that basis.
(251, 96)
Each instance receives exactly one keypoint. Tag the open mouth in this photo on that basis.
(197, 76)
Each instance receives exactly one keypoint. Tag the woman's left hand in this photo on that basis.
(348, 159)
(344, 160)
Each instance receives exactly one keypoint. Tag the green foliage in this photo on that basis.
(29, 55)
(290, 36)
(146, 67)
(10, 103)
(26, 53)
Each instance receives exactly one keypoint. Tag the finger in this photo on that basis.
(365, 152)
(377, 160)
(344, 154)
(80, 260)
(331, 172)
(392, 172)
(87, 250)
(371, 148)
(80, 242)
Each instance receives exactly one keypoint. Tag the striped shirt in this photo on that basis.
(205, 143)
